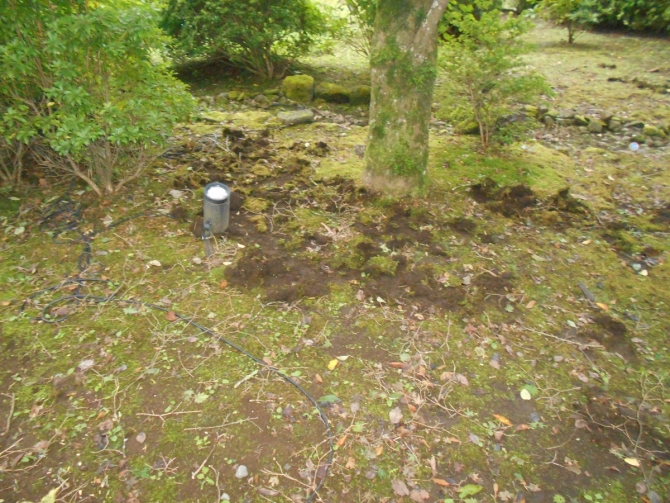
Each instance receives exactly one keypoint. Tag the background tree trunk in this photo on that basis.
(403, 65)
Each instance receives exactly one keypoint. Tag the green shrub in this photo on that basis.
(82, 88)
(575, 15)
(260, 36)
(360, 25)
(641, 15)
(485, 75)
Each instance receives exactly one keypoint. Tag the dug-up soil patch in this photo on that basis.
(520, 201)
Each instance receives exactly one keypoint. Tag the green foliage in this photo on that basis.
(574, 15)
(260, 36)
(641, 15)
(83, 89)
(485, 73)
(360, 25)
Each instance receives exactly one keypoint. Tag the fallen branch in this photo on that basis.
(11, 413)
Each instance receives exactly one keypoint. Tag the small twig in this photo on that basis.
(162, 416)
(567, 341)
(200, 428)
(11, 413)
(204, 461)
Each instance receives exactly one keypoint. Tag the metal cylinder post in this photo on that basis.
(216, 207)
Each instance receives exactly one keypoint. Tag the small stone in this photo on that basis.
(549, 120)
(85, 365)
(606, 116)
(241, 472)
(542, 109)
(595, 126)
(653, 131)
(296, 117)
(566, 114)
(262, 101)
(580, 120)
(641, 487)
(654, 497)
(635, 125)
(197, 260)
(531, 110)
(614, 125)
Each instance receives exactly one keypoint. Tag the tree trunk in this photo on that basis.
(403, 64)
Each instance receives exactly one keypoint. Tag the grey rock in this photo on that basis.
(549, 120)
(654, 497)
(262, 101)
(296, 117)
(614, 125)
(566, 114)
(606, 117)
(241, 472)
(561, 121)
(635, 124)
(580, 120)
(587, 293)
(595, 126)
(542, 109)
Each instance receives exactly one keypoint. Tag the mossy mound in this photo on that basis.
(298, 88)
(332, 93)
(467, 126)
(359, 95)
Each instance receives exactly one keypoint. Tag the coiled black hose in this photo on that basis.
(65, 215)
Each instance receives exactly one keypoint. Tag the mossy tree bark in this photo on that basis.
(403, 64)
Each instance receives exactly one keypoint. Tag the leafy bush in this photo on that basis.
(484, 71)
(260, 36)
(642, 15)
(81, 88)
(360, 25)
(574, 15)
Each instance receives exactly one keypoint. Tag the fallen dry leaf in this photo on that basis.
(171, 316)
(333, 363)
(632, 462)
(400, 488)
(503, 419)
(441, 482)
(395, 415)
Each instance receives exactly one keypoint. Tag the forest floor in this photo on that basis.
(496, 339)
